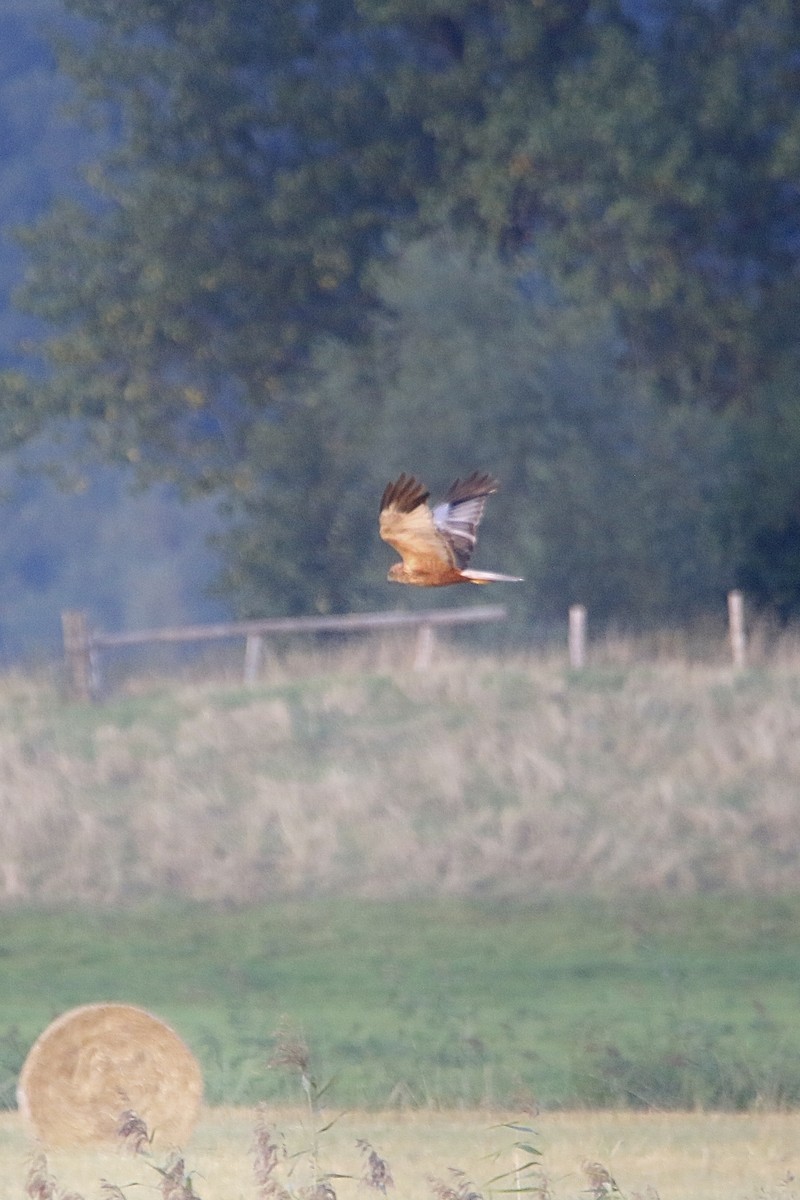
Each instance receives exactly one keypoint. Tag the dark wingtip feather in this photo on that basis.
(405, 494)
(478, 483)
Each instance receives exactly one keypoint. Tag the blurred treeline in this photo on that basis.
(314, 244)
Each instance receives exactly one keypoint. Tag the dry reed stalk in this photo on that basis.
(291, 1052)
(111, 1191)
(267, 1154)
(175, 1183)
(133, 1132)
(102, 1066)
(41, 1185)
(376, 1173)
(322, 1190)
(461, 1188)
(600, 1180)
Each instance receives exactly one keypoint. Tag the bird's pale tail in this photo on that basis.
(490, 577)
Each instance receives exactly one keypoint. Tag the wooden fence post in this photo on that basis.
(82, 647)
(736, 630)
(423, 652)
(80, 661)
(576, 637)
(253, 651)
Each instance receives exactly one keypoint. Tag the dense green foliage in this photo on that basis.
(252, 181)
(649, 162)
(39, 146)
(666, 1004)
(607, 496)
(254, 300)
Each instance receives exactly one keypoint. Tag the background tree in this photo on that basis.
(223, 314)
(649, 162)
(763, 516)
(256, 171)
(602, 499)
(39, 146)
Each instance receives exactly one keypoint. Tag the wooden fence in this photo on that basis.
(83, 646)
(576, 633)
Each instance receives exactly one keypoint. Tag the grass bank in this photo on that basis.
(665, 1003)
(345, 775)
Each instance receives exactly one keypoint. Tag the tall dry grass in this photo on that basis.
(343, 772)
(650, 1156)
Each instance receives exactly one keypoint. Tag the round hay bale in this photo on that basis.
(96, 1062)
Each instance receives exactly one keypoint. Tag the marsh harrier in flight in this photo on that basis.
(436, 545)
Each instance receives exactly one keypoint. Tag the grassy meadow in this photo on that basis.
(496, 886)
(348, 774)
(688, 1002)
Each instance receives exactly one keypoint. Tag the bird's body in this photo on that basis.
(436, 545)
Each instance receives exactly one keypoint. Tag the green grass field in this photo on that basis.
(494, 884)
(649, 1002)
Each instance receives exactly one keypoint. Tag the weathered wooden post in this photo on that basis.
(423, 652)
(253, 652)
(82, 679)
(576, 637)
(736, 630)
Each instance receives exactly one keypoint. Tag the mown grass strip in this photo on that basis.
(647, 1003)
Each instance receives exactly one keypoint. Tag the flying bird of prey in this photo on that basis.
(436, 545)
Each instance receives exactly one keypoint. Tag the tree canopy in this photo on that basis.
(256, 168)
(336, 239)
(654, 165)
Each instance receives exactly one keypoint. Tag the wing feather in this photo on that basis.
(407, 524)
(458, 516)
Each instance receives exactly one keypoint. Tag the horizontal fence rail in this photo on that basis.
(82, 645)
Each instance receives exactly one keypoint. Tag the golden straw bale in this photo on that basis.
(98, 1061)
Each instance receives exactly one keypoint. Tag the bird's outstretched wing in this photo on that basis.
(407, 524)
(458, 516)
(436, 546)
